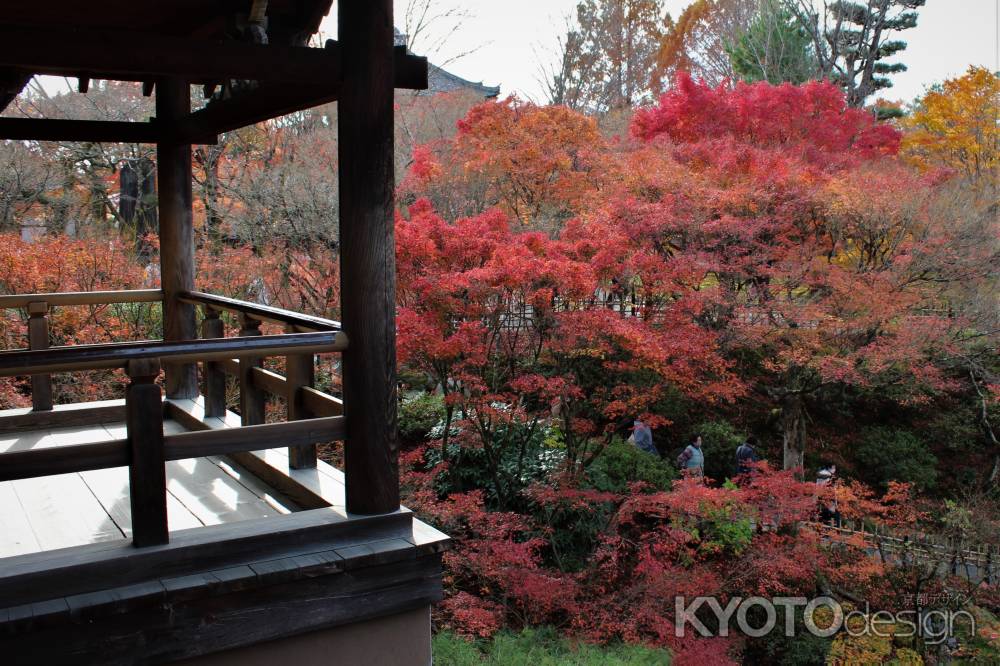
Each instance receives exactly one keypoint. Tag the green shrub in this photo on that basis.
(418, 414)
(889, 454)
(725, 531)
(526, 456)
(719, 441)
(540, 647)
(621, 463)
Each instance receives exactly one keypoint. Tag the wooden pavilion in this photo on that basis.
(162, 526)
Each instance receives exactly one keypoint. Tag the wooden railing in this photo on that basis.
(958, 557)
(313, 416)
(302, 400)
(38, 306)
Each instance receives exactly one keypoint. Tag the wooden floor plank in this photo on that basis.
(63, 512)
(110, 486)
(16, 535)
(211, 494)
(36, 439)
(256, 486)
(93, 506)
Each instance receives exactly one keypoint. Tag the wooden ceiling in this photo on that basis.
(203, 19)
(203, 42)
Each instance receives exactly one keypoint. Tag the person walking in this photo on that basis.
(642, 437)
(746, 456)
(692, 458)
(826, 489)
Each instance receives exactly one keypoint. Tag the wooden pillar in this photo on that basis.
(147, 468)
(214, 384)
(252, 398)
(300, 370)
(367, 255)
(173, 169)
(38, 338)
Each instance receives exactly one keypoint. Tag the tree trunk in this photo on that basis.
(794, 432)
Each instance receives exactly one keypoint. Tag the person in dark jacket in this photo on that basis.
(746, 455)
(642, 436)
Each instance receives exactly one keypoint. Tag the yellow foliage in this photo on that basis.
(957, 126)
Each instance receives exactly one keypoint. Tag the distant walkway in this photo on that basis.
(974, 562)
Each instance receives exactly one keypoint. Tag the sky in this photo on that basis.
(509, 38)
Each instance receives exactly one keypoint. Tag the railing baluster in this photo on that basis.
(251, 396)
(214, 380)
(147, 471)
(299, 372)
(38, 338)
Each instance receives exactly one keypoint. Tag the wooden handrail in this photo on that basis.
(202, 443)
(261, 312)
(197, 444)
(117, 355)
(82, 298)
(321, 404)
(63, 459)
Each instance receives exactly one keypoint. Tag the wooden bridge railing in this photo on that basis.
(957, 556)
(313, 416)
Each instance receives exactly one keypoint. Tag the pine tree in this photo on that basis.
(852, 41)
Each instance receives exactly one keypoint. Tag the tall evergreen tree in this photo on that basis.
(852, 40)
(775, 48)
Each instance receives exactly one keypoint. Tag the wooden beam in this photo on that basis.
(117, 354)
(115, 453)
(83, 298)
(230, 366)
(274, 99)
(63, 416)
(63, 459)
(271, 382)
(79, 570)
(261, 312)
(321, 404)
(252, 438)
(173, 171)
(269, 100)
(129, 56)
(12, 82)
(368, 261)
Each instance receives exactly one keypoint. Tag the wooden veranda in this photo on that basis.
(164, 526)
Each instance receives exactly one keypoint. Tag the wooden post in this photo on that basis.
(147, 471)
(38, 338)
(367, 255)
(299, 372)
(173, 168)
(214, 384)
(251, 396)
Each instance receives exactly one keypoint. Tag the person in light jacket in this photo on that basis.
(692, 458)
